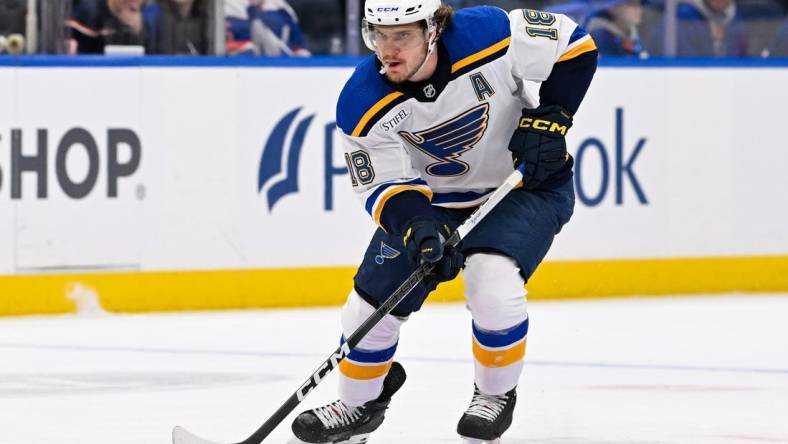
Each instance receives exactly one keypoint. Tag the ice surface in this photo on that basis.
(710, 369)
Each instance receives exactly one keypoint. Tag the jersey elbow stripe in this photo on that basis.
(393, 191)
(363, 372)
(495, 358)
(373, 198)
(381, 107)
(484, 56)
(583, 46)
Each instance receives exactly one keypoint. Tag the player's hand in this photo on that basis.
(423, 239)
(539, 142)
(448, 267)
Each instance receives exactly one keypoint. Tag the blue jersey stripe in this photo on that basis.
(579, 32)
(502, 338)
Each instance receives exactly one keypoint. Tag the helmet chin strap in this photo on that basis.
(430, 48)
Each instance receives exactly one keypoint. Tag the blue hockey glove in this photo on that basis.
(423, 241)
(539, 142)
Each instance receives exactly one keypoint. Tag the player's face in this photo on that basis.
(401, 48)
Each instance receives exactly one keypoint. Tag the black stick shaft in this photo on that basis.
(341, 353)
(385, 308)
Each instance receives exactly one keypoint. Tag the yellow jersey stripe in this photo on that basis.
(363, 372)
(393, 191)
(372, 111)
(498, 358)
(481, 54)
(582, 48)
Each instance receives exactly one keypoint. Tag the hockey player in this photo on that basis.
(431, 125)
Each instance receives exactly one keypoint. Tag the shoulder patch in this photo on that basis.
(364, 99)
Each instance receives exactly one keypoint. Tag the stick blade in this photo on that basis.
(183, 436)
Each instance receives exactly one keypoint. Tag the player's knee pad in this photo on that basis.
(384, 335)
(494, 291)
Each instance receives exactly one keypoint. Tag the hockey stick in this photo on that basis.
(183, 436)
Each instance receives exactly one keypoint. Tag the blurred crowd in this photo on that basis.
(177, 27)
(629, 28)
(258, 27)
(702, 28)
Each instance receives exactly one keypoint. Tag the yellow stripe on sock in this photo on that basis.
(498, 358)
(364, 372)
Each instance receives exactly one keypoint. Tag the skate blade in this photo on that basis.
(358, 439)
(466, 440)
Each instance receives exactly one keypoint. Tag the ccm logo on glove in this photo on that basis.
(544, 125)
(538, 143)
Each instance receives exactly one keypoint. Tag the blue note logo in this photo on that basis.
(279, 155)
(447, 141)
(386, 252)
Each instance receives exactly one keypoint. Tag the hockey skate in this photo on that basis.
(487, 417)
(337, 422)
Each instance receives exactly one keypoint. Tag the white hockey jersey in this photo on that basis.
(447, 137)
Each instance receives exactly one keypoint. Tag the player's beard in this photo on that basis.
(402, 77)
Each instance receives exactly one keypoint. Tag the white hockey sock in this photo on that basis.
(363, 371)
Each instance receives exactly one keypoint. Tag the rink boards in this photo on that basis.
(165, 187)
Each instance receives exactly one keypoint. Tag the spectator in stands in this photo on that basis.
(97, 23)
(705, 28)
(577, 10)
(176, 27)
(12, 17)
(12, 26)
(614, 27)
(780, 46)
(263, 27)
